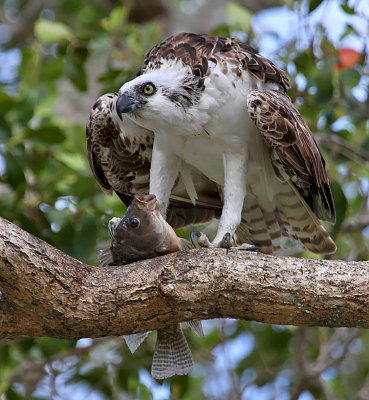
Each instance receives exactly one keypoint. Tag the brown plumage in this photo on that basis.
(120, 162)
(196, 50)
(289, 159)
(119, 154)
(294, 151)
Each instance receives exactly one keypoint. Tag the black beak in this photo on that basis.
(126, 104)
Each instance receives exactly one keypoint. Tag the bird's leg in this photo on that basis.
(163, 172)
(234, 196)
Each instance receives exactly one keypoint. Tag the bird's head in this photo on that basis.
(158, 97)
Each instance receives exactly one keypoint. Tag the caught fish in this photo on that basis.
(143, 233)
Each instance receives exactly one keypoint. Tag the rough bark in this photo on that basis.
(48, 293)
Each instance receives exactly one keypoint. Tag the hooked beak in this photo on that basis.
(126, 104)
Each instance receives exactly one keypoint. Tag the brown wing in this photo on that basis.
(119, 153)
(196, 50)
(294, 151)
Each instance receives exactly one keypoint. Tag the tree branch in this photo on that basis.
(336, 144)
(48, 293)
(356, 223)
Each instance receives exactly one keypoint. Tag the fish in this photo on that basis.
(143, 233)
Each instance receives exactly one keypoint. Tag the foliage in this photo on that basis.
(73, 51)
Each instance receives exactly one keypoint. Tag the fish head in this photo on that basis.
(141, 223)
(142, 232)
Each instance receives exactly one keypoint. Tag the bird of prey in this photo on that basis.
(221, 121)
(119, 153)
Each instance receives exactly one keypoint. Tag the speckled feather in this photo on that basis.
(295, 157)
(117, 162)
(295, 152)
(120, 161)
(196, 50)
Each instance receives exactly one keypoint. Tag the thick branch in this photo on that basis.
(47, 293)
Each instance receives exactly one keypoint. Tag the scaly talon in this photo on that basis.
(202, 239)
(225, 243)
(228, 239)
(193, 234)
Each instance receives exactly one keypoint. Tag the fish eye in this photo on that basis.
(149, 89)
(134, 223)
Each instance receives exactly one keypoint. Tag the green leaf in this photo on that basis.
(349, 30)
(74, 161)
(48, 134)
(14, 174)
(350, 77)
(76, 73)
(51, 31)
(5, 129)
(238, 17)
(144, 392)
(340, 202)
(6, 102)
(85, 238)
(52, 69)
(222, 30)
(314, 4)
(115, 19)
(347, 9)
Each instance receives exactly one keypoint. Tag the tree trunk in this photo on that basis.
(48, 293)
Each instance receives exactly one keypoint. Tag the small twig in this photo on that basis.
(336, 144)
(364, 391)
(356, 223)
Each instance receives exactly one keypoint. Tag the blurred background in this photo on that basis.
(56, 58)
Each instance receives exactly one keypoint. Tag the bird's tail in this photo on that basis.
(134, 341)
(291, 218)
(172, 356)
(196, 326)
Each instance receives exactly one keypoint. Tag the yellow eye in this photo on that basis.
(149, 88)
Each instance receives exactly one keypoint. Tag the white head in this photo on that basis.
(160, 97)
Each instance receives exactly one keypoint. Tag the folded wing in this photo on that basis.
(119, 153)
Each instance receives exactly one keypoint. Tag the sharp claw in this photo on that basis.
(228, 241)
(250, 248)
(193, 234)
(253, 248)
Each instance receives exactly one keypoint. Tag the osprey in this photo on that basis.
(119, 154)
(221, 118)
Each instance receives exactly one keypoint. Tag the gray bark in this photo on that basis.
(48, 293)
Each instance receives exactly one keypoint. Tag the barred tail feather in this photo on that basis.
(196, 326)
(306, 225)
(172, 356)
(134, 341)
(290, 219)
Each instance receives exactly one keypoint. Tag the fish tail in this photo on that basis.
(185, 244)
(134, 341)
(172, 356)
(196, 326)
